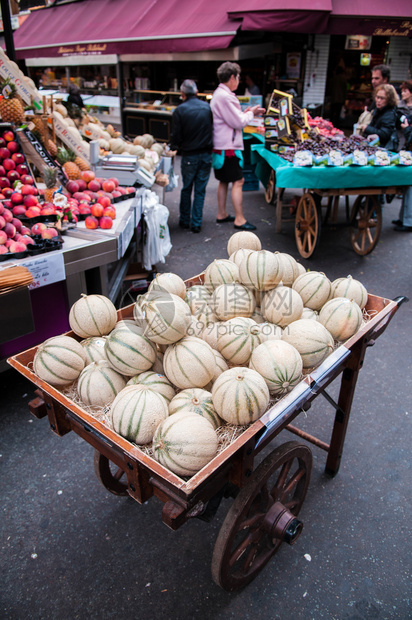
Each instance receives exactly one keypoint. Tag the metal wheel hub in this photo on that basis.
(281, 524)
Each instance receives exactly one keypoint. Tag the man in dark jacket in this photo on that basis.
(192, 135)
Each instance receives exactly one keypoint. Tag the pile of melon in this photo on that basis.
(194, 359)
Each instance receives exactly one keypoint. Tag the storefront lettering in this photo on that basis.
(82, 50)
(404, 30)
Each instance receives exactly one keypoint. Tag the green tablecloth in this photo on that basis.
(326, 177)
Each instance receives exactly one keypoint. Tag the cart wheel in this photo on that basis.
(109, 475)
(270, 191)
(307, 225)
(365, 224)
(262, 516)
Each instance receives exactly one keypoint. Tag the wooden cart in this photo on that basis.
(366, 182)
(267, 496)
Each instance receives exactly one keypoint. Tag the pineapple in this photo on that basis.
(66, 158)
(52, 148)
(50, 180)
(40, 128)
(11, 109)
(83, 165)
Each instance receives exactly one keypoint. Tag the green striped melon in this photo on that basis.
(352, 289)
(92, 315)
(314, 288)
(279, 363)
(261, 269)
(220, 271)
(189, 363)
(155, 381)
(167, 319)
(301, 269)
(243, 239)
(126, 323)
(137, 411)
(195, 400)
(311, 339)
(197, 296)
(195, 328)
(211, 333)
(270, 331)
(129, 351)
(342, 317)
(231, 300)
(221, 365)
(184, 443)
(240, 255)
(205, 316)
(289, 266)
(282, 305)
(99, 384)
(307, 313)
(59, 360)
(240, 337)
(240, 395)
(169, 282)
(94, 348)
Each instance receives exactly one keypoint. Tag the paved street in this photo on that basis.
(70, 549)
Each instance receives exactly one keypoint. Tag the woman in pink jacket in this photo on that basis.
(228, 123)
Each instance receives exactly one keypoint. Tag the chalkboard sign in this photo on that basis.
(37, 154)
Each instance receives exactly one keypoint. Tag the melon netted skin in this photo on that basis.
(184, 443)
(169, 282)
(137, 411)
(231, 300)
(240, 395)
(261, 270)
(99, 384)
(94, 348)
(243, 240)
(342, 317)
(352, 289)
(314, 288)
(189, 363)
(129, 351)
(279, 363)
(92, 315)
(195, 400)
(282, 305)
(220, 271)
(59, 360)
(311, 339)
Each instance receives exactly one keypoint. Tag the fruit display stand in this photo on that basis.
(331, 182)
(268, 495)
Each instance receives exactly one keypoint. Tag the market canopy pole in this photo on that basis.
(8, 32)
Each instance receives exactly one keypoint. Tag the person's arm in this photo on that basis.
(233, 115)
(385, 130)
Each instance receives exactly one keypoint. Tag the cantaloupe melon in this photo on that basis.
(129, 351)
(169, 282)
(243, 239)
(92, 315)
(167, 319)
(220, 271)
(197, 296)
(282, 305)
(231, 300)
(59, 360)
(195, 328)
(137, 411)
(155, 381)
(184, 443)
(221, 366)
(261, 269)
(239, 255)
(99, 384)
(205, 315)
(94, 348)
(342, 317)
(350, 288)
(307, 313)
(240, 395)
(314, 288)
(311, 339)
(240, 337)
(189, 363)
(211, 333)
(289, 266)
(195, 400)
(279, 363)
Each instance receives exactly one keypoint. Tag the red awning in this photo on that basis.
(97, 27)
(273, 16)
(381, 18)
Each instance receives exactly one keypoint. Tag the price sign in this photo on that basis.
(46, 269)
(9, 70)
(74, 142)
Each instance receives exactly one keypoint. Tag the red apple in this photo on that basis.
(91, 222)
(13, 176)
(3, 237)
(27, 179)
(110, 212)
(9, 164)
(26, 190)
(2, 143)
(10, 230)
(88, 175)
(4, 153)
(4, 249)
(37, 229)
(4, 182)
(84, 209)
(8, 135)
(82, 184)
(17, 246)
(32, 212)
(49, 210)
(49, 233)
(116, 193)
(17, 223)
(25, 230)
(19, 210)
(2, 171)
(72, 187)
(18, 158)
(104, 201)
(8, 215)
(29, 201)
(105, 222)
(94, 185)
(27, 240)
(97, 210)
(2, 222)
(108, 186)
(13, 146)
(115, 181)
(122, 190)
(81, 196)
(22, 169)
(1, 208)
(7, 192)
(8, 243)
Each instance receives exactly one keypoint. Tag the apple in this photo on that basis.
(81, 196)
(19, 210)
(25, 230)
(10, 230)
(2, 143)
(18, 158)
(8, 215)
(9, 164)
(2, 222)
(7, 192)
(115, 181)
(1, 208)
(91, 222)
(17, 224)
(49, 210)
(2, 171)
(72, 187)
(27, 240)
(37, 229)
(122, 190)
(104, 201)
(116, 193)
(8, 135)
(13, 176)
(22, 169)
(84, 209)
(3, 237)
(32, 212)
(29, 201)
(8, 243)
(49, 233)
(97, 209)
(105, 222)
(88, 175)
(108, 186)
(110, 212)
(17, 246)
(94, 185)
(4, 182)
(4, 153)
(4, 249)
(82, 184)
(27, 179)
(13, 146)
(26, 190)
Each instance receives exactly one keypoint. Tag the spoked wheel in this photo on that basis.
(365, 224)
(270, 191)
(262, 516)
(307, 225)
(109, 475)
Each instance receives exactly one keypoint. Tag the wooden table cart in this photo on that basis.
(332, 183)
(268, 496)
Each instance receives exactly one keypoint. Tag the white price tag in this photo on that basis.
(46, 269)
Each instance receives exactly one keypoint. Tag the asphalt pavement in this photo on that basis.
(71, 550)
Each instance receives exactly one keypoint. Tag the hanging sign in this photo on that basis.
(75, 143)
(27, 92)
(35, 151)
(358, 42)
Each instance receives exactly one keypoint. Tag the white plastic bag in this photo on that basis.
(156, 244)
